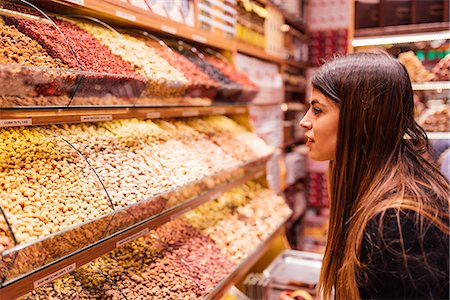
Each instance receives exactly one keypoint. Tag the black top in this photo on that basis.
(422, 274)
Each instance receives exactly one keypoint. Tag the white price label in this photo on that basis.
(154, 115)
(173, 217)
(54, 275)
(168, 29)
(219, 112)
(15, 122)
(98, 118)
(199, 38)
(131, 237)
(126, 16)
(79, 2)
(216, 195)
(190, 113)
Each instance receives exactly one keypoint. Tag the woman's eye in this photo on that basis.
(316, 111)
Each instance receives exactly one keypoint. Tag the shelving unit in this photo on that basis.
(45, 116)
(438, 135)
(27, 282)
(245, 266)
(294, 89)
(430, 86)
(127, 16)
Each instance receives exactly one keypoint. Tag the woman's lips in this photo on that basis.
(309, 141)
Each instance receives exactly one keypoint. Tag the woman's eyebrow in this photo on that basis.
(314, 101)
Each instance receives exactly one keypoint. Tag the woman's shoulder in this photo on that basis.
(395, 226)
(405, 255)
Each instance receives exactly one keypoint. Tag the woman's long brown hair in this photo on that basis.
(379, 162)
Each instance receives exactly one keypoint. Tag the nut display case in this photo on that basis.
(72, 191)
(86, 184)
(51, 60)
(187, 258)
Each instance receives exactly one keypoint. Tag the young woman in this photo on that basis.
(389, 206)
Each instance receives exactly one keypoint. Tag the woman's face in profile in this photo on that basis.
(321, 125)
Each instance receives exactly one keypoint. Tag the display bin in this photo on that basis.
(292, 271)
(200, 84)
(64, 64)
(249, 89)
(47, 193)
(229, 90)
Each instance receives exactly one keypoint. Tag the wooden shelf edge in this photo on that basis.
(21, 286)
(46, 116)
(401, 29)
(294, 89)
(295, 64)
(245, 266)
(257, 52)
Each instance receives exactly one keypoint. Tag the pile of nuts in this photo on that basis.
(200, 84)
(239, 218)
(45, 185)
(438, 121)
(417, 72)
(17, 48)
(163, 79)
(183, 259)
(441, 71)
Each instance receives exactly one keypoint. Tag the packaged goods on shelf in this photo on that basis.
(441, 70)
(273, 35)
(250, 23)
(179, 11)
(217, 16)
(417, 72)
(265, 75)
(436, 118)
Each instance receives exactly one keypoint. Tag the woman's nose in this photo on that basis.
(305, 123)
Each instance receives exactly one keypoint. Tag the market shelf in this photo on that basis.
(295, 64)
(257, 52)
(28, 266)
(426, 30)
(127, 14)
(432, 85)
(294, 89)
(45, 116)
(438, 135)
(245, 266)
(295, 106)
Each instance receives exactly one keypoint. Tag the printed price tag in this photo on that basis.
(54, 275)
(79, 2)
(216, 195)
(153, 115)
(126, 16)
(15, 122)
(131, 237)
(219, 112)
(98, 118)
(190, 113)
(168, 29)
(173, 217)
(199, 38)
